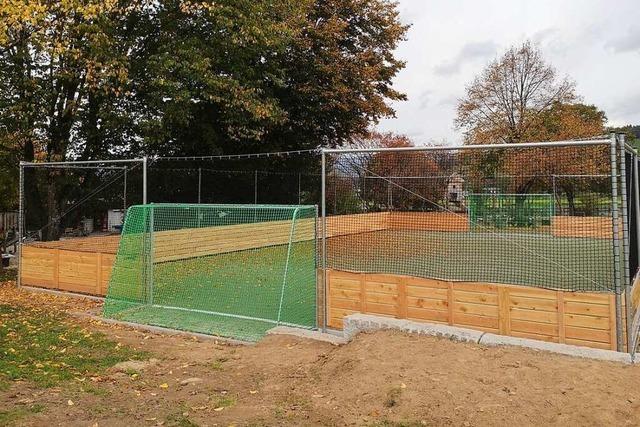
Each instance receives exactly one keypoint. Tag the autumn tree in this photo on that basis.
(505, 101)
(115, 78)
(519, 98)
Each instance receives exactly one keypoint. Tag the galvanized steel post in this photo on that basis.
(20, 221)
(324, 242)
(625, 236)
(616, 248)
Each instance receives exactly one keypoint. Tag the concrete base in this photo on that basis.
(306, 333)
(357, 323)
(161, 330)
(61, 293)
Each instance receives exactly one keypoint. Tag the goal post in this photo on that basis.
(498, 210)
(228, 270)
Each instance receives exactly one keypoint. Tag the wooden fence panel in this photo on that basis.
(586, 319)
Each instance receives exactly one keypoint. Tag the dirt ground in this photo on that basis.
(381, 379)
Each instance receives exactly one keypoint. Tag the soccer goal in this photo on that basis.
(509, 210)
(228, 270)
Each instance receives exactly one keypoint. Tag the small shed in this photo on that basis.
(455, 192)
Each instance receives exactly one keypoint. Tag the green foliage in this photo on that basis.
(631, 133)
(42, 347)
(100, 79)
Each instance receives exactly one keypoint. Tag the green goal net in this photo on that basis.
(227, 270)
(509, 210)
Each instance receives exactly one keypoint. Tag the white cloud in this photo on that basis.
(451, 41)
(468, 53)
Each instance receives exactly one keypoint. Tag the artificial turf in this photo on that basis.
(198, 294)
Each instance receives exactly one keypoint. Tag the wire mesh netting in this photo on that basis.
(292, 179)
(533, 216)
(228, 270)
(78, 200)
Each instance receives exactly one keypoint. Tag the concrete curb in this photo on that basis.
(61, 293)
(309, 334)
(160, 330)
(356, 323)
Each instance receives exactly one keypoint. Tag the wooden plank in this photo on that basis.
(376, 308)
(421, 314)
(363, 293)
(586, 309)
(451, 319)
(613, 345)
(402, 298)
(476, 297)
(346, 294)
(549, 329)
(561, 306)
(537, 304)
(487, 288)
(475, 321)
(588, 297)
(433, 293)
(56, 268)
(479, 309)
(428, 221)
(534, 316)
(521, 291)
(534, 336)
(588, 334)
(346, 304)
(417, 283)
(593, 322)
(504, 312)
(380, 287)
(379, 298)
(428, 303)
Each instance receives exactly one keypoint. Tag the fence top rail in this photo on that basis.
(571, 143)
(80, 162)
(224, 205)
(630, 149)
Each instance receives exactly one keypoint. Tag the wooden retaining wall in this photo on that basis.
(428, 221)
(586, 319)
(65, 270)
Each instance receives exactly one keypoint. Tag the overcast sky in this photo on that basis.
(596, 43)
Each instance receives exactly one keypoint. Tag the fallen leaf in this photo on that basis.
(70, 402)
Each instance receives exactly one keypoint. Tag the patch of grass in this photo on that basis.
(96, 391)
(178, 419)
(43, 347)
(15, 414)
(225, 402)
(217, 365)
(7, 274)
(389, 423)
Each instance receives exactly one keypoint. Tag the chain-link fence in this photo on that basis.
(290, 178)
(76, 199)
(546, 215)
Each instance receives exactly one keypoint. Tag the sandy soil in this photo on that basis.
(378, 379)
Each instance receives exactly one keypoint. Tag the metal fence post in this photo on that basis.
(124, 196)
(632, 328)
(144, 180)
(625, 236)
(199, 185)
(324, 242)
(616, 247)
(255, 187)
(20, 221)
